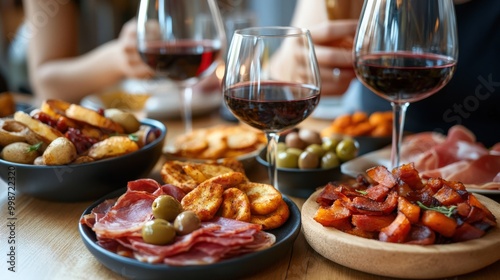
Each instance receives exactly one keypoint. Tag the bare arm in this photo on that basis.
(55, 68)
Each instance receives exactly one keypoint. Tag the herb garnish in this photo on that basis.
(133, 137)
(34, 147)
(441, 209)
(363, 192)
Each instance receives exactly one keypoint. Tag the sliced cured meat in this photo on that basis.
(458, 157)
(127, 216)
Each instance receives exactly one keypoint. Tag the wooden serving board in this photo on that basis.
(401, 260)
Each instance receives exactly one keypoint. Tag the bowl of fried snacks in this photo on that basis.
(218, 142)
(372, 131)
(394, 224)
(65, 152)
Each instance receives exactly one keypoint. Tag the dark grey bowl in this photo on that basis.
(368, 144)
(301, 182)
(86, 181)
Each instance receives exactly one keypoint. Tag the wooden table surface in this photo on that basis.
(48, 245)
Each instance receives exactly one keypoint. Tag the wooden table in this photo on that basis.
(48, 245)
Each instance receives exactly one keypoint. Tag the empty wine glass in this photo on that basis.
(181, 41)
(258, 95)
(405, 51)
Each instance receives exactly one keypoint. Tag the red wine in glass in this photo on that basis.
(404, 76)
(271, 106)
(182, 60)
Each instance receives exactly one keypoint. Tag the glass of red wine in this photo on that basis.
(405, 51)
(256, 91)
(182, 41)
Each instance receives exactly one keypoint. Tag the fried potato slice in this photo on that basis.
(264, 198)
(204, 200)
(217, 145)
(112, 147)
(173, 173)
(235, 205)
(54, 107)
(274, 219)
(241, 139)
(192, 144)
(46, 132)
(212, 170)
(79, 113)
(233, 164)
(227, 180)
(193, 172)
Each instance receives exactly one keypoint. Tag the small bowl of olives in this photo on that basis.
(305, 161)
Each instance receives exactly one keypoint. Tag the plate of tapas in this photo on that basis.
(215, 143)
(154, 231)
(456, 156)
(406, 230)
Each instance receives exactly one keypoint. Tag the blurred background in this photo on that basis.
(102, 20)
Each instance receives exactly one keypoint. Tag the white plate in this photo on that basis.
(382, 157)
(401, 260)
(164, 101)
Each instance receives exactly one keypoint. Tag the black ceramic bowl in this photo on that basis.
(368, 143)
(85, 181)
(302, 182)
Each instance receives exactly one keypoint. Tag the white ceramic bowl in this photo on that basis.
(401, 260)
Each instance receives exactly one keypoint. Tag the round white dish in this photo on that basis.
(164, 98)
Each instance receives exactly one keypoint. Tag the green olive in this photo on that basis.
(286, 160)
(158, 232)
(187, 222)
(347, 149)
(330, 144)
(166, 207)
(315, 149)
(294, 151)
(281, 146)
(308, 160)
(329, 160)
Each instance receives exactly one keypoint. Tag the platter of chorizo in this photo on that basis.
(394, 224)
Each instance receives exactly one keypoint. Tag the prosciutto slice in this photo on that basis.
(117, 224)
(455, 157)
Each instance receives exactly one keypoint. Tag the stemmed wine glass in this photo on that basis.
(405, 51)
(257, 93)
(181, 41)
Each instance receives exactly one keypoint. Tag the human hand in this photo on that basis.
(333, 45)
(129, 60)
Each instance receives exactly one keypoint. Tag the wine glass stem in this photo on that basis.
(272, 151)
(187, 101)
(399, 110)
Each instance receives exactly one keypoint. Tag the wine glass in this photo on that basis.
(181, 41)
(405, 51)
(258, 94)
